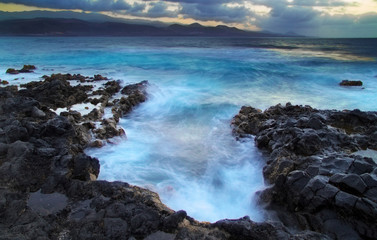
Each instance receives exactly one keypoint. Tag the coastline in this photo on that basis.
(36, 140)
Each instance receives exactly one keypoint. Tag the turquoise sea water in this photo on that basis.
(179, 142)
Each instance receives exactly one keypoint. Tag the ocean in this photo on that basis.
(180, 143)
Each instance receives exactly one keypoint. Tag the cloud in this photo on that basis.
(303, 3)
(216, 12)
(321, 3)
(206, 2)
(86, 5)
(160, 9)
(283, 19)
(307, 17)
(348, 26)
(310, 22)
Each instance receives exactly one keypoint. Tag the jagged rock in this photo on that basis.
(94, 115)
(47, 188)
(12, 71)
(27, 69)
(99, 77)
(109, 130)
(351, 83)
(132, 88)
(97, 144)
(112, 87)
(244, 228)
(15, 131)
(317, 187)
(37, 113)
(85, 168)
(55, 92)
(349, 182)
(171, 222)
(64, 77)
(136, 94)
(311, 169)
(58, 126)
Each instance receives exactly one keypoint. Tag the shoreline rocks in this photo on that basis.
(98, 92)
(317, 183)
(48, 188)
(24, 69)
(351, 83)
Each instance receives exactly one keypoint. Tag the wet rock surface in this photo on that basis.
(48, 186)
(25, 69)
(317, 183)
(320, 189)
(351, 83)
(64, 91)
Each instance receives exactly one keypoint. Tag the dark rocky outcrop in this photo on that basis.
(136, 94)
(316, 182)
(25, 69)
(319, 188)
(46, 183)
(99, 77)
(48, 186)
(12, 71)
(350, 83)
(56, 91)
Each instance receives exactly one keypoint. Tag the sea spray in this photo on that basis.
(186, 152)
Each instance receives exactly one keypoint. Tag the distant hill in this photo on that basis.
(91, 17)
(76, 27)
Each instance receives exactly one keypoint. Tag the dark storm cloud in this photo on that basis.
(86, 5)
(309, 22)
(299, 16)
(196, 9)
(348, 25)
(217, 12)
(283, 19)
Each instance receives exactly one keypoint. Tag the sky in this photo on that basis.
(322, 18)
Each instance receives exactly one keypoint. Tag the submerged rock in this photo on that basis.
(12, 71)
(25, 69)
(349, 83)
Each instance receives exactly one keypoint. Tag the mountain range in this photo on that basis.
(79, 27)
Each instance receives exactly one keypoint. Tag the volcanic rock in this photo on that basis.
(48, 186)
(350, 83)
(12, 71)
(311, 168)
(27, 69)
